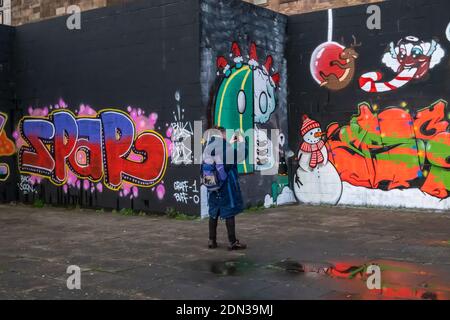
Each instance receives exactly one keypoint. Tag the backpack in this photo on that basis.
(209, 177)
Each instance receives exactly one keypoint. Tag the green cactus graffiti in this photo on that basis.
(246, 96)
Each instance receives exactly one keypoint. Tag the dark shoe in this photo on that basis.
(212, 244)
(237, 246)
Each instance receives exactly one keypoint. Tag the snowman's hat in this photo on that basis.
(308, 124)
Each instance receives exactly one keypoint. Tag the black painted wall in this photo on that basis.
(7, 106)
(138, 54)
(141, 54)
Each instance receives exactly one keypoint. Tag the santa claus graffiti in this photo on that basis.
(411, 58)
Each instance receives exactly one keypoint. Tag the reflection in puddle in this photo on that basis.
(399, 280)
(289, 266)
(232, 268)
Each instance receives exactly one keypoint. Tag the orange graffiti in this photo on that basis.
(394, 149)
(7, 147)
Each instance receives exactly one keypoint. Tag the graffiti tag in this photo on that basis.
(181, 134)
(186, 192)
(26, 185)
(105, 146)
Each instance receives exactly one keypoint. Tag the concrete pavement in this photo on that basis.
(295, 252)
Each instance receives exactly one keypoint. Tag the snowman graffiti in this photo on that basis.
(316, 180)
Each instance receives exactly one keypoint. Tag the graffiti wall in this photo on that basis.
(7, 115)
(368, 111)
(105, 113)
(244, 85)
(332, 112)
(105, 116)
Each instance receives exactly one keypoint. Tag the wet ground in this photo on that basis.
(296, 252)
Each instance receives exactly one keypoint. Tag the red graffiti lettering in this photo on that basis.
(92, 148)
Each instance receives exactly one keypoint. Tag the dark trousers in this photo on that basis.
(231, 229)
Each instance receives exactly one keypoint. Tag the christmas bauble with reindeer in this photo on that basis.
(322, 61)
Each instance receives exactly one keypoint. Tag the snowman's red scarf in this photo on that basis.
(316, 154)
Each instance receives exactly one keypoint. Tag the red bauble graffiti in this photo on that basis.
(322, 61)
(332, 64)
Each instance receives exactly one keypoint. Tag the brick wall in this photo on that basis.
(301, 6)
(25, 11)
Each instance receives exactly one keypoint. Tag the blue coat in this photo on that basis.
(227, 202)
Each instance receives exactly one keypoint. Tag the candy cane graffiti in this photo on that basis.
(6, 147)
(332, 64)
(411, 58)
(104, 146)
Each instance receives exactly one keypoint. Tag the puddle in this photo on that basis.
(232, 267)
(289, 266)
(399, 280)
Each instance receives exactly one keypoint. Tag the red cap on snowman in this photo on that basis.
(308, 124)
(315, 148)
